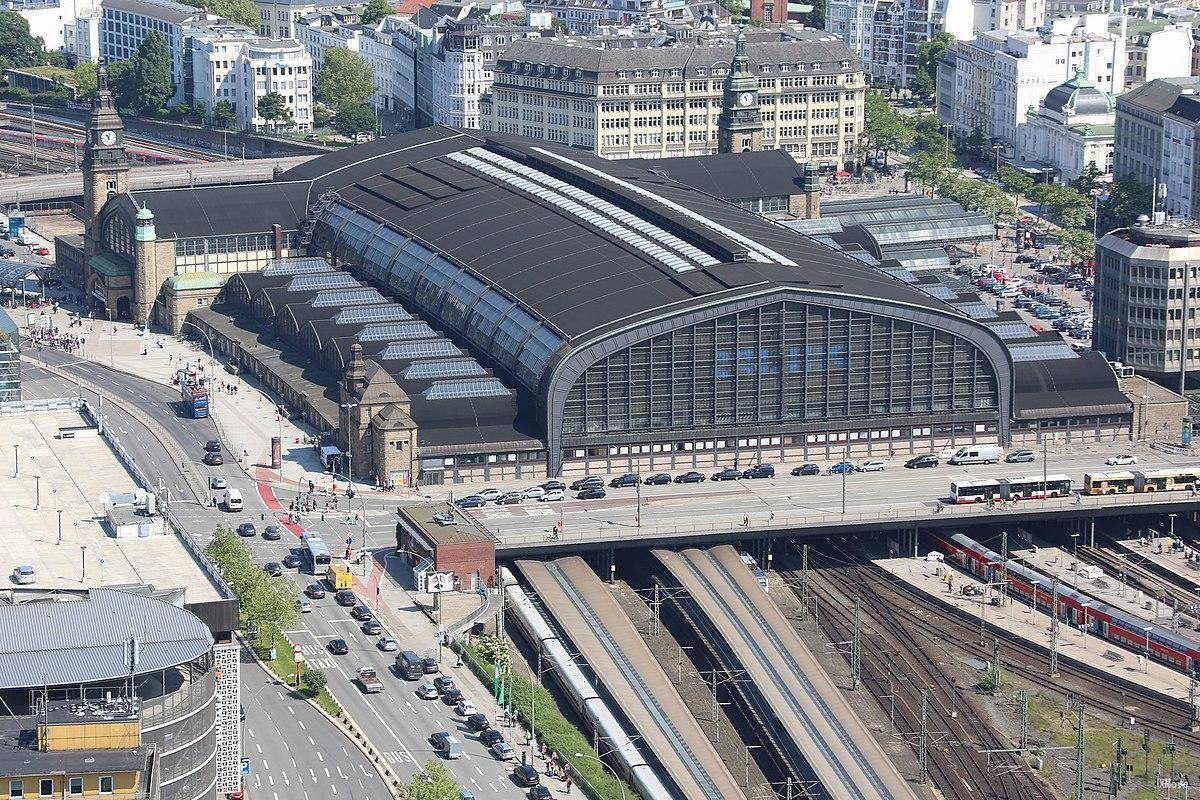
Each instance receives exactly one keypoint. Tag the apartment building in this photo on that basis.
(658, 102)
(1140, 119)
(887, 34)
(278, 18)
(125, 23)
(243, 68)
(1000, 75)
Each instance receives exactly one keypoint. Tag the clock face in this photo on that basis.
(745, 98)
(108, 138)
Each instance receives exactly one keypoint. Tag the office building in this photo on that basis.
(1074, 127)
(656, 102)
(10, 359)
(886, 34)
(241, 68)
(1140, 115)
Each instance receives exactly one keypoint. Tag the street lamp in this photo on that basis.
(349, 449)
(1075, 546)
(607, 767)
(16, 462)
(1171, 517)
(750, 747)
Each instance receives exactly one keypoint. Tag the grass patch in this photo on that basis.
(284, 667)
(50, 71)
(554, 729)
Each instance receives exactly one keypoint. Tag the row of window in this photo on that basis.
(46, 788)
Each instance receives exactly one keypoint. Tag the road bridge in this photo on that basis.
(35, 188)
(803, 700)
(601, 631)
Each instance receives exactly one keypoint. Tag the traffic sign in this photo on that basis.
(245, 766)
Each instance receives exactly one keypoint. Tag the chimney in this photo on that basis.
(277, 231)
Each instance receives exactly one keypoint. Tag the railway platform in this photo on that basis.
(1014, 619)
(1157, 552)
(1091, 580)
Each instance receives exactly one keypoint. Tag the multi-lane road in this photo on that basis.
(396, 722)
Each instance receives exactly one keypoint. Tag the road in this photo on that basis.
(761, 501)
(396, 722)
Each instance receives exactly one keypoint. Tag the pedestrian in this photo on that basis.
(569, 782)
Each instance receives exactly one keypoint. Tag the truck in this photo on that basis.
(339, 577)
(194, 395)
(369, 680)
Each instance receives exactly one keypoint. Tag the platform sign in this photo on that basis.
(438, 582)
(16, 221)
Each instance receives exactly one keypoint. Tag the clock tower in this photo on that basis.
(105, 165)
(739, 127)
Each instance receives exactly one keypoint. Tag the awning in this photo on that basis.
(109, 268)
(329, 451)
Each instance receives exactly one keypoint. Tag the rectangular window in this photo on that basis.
(106, 784)
(16, 788)
(75, 786)
(46, 787)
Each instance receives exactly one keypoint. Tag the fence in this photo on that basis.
(21, 407)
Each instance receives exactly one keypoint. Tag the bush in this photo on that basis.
(554, 729)
(313, 681)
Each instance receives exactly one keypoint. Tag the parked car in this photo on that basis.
(554, 486)
(465, 708)
(346, 598)
(591, 493)
(452, 697)
(502, 751)
(586, 483)
(1121, 460)
(478, 722)
(690, 477)
(292, 561)
(759, 471)
(247, 529)
(806, 469)
(1019, 457)
(338, 647)
(315, 591)
(304, 604)
(40, 250)
(23, 575)
(372, 627)
(842, 468)
(387, 644)
(427, 691)
(7, 252)
(534, 493)
(539, 793)
(444, 683)
(727, 474)
(922, 462)
(552, 496)
(361, 613)
(273, 568)
(429, 666)
(871, 466)
(658, 479)
(470, 501)
(272, 533)
(510, 499)
(526, 775)
(489, 495)
(626, 480)
(489, 736)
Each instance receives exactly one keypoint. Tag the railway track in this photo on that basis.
(1143, 578)
(924, 616)
(895, 664)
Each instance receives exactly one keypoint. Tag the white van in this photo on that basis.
(233, 500)
(975, 454)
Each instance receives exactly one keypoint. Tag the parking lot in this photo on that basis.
(1048, 296)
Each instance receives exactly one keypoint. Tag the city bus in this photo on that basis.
(316, 553)
(1022, 488)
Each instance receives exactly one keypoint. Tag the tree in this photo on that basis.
(353, 120)
(273, 108)
(151, 82)
(1071, 209)
(120, 82)
(923, 84)
(886, 129)
(17, 46)
(976, 144)
(928, 56)
(1014, 181)
(344, 80)
(374, 12)
(816, 17)
(1088, 181)
(1127, 200)
(222, 115)
(929, 168)
(433, 783)
(85, 79)
(242, 12)
(199, 112)
(494, 650)
(312, 681)
(1076, 245)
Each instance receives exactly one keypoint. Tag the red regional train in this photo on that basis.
(1108, 622)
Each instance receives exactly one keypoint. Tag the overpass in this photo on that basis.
(36, 188)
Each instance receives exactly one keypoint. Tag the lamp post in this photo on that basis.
(16, 460)
(1075, 546)
(1171, 517)
(349, 450)
(607, 767)
(750, 747)
(212, 363)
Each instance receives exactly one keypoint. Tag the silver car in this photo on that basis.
(387, 644)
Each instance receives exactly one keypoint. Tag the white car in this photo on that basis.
(489, 495)
(304, 605)
(23, 575)
(552, 496)
(465, 708)
(1122, 460)
(871, 466)
(534, 493)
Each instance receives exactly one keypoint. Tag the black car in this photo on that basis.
(7, 252)
(316, 591)
(489, 736)
(478, 722)
(247, 529)
(760, 471)
(806, 469)
(591, 493)
(1024, 259)
(338, 647)
(470, 501)
(212, 446)
(526, 775)
(293, 561)
(451, 696)
(589, 482)
(539, 793)
(661, 479)
(690, 477)
(372, 627)
(628, 479)
(346, 598)
(361, 613)
(273, 569)
(552, 485)
(429, 666)
(214, 459)
(727, 474)
(272, 533)
(921, 462)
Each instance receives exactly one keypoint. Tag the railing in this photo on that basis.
(166, 709)
(776, 521)
(20, 407)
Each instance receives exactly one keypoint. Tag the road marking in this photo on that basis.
(327, 773)
(300, 722)
(271, 780)
(334, 788)
(259, 747)
(320, 757)
(292, 710)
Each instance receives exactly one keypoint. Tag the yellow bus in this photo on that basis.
(1109, 483)
(339, 577)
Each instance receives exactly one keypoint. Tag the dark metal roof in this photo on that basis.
(222, 210)
(731, 176)
(1084, 386)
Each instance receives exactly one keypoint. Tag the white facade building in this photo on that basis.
(1012, 15)
(125, 23)
(1073, 127)
(278, 18)
(242, 69)
(886, 34)
(48, 19)
(81, 37)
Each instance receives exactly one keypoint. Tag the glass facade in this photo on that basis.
(440, 289)
(781, 363)
(10, 359)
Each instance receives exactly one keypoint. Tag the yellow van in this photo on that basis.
(339, 577)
